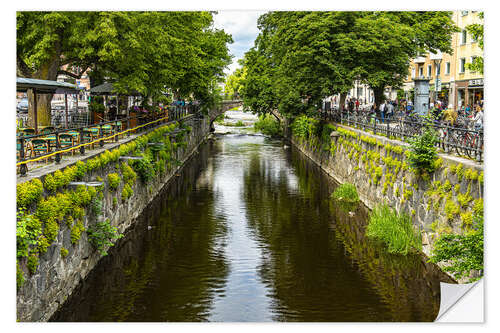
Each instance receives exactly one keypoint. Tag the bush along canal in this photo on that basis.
(249, 231)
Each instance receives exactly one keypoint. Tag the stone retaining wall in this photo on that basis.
(56, 277)
(443, 203)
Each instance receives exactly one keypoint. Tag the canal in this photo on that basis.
(247, 232)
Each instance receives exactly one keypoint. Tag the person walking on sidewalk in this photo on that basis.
(382, 110)
(389, 108)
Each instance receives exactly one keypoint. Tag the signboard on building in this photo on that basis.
(476, 83)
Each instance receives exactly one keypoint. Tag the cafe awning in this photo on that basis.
(45, 86)
(108, 89)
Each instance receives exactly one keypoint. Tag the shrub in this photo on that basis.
(127, 192)
(461, 253)
(32, 263)
(144, 168)
(29, 193)
(102, 235)
(76, 232)
(423, 153)
(113, 181)
(304, 127)
(268, 125)
(346, 192)
(395, 230)
(28, 229)
(64, 252)
(129, 175)
(81, 169)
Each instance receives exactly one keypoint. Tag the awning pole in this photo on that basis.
(36, 110)
(66, 105)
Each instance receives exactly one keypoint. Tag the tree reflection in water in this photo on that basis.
(168, 273)
(317, 262)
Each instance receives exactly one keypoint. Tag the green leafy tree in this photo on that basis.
(477, 32)
(234, 83)
(299, 58)
(137, 51)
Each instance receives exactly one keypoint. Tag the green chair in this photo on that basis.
(66, 140)
(88, 136)
(39, 146)
(28, 131)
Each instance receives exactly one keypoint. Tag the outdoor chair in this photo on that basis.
(28, 131)
(107, 130)
(88, 136)
(66, 140)
(39, 147)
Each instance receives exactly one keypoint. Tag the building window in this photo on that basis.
(429, 70)
(413, 72)
(462, 65)
(464, 37)
(448, 68)
(438, 70)
(465, 12)
(421, 71)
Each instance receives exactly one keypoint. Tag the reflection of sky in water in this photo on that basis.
(245, 297)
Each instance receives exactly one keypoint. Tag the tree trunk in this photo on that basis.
(43, 109)
(378, 93)
(342, 101)
(47, 71)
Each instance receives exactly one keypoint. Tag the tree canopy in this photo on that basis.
(299, 58)
(142, 51)
(234, 83)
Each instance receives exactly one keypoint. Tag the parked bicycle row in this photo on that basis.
(462, 138)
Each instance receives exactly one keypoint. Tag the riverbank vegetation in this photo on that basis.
(393, 229)
(268, 125)
(462, 255)
(346, 192)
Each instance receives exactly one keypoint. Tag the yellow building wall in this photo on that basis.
(467, 50)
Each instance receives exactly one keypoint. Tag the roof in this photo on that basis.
(107, 89)
(44, 86)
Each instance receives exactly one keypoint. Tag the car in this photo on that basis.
(22, 106)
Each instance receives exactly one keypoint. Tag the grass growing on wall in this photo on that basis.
(347, 193)
(393, 229)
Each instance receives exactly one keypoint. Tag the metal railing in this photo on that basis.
(460, 140)
(85, 138)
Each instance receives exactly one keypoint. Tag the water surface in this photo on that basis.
(248, 233)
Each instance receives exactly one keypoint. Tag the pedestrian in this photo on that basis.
(382, 110)
(389, 110)
(467, 110)
(357, 104)
(478, 119)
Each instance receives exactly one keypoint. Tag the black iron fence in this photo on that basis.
(462, 139)
(56, 141)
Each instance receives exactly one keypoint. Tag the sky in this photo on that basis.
(242, 25)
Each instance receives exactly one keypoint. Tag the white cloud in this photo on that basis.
(242, 25)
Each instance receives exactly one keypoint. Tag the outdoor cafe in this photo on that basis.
(41, 142)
